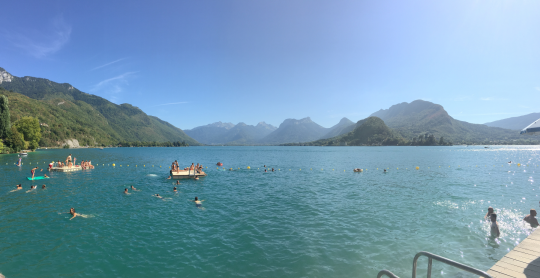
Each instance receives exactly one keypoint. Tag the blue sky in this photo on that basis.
(196, 62)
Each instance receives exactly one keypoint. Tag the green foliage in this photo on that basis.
(66, 146)
(68, 113)
(5, 119)
(29, 127)
(15, 140)
(33, 145)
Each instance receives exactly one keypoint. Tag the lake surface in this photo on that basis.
(309, 219)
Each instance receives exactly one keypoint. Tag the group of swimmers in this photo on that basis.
(70, 162)
(492, 216)
(32, 187)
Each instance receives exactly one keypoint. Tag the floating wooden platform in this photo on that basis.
(66, 169)
(522, 262)
(187, 174)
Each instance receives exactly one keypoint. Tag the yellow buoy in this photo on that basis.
(519, 165)
(159, 166)
(249, 167)
(417, 168)
(300, 169)
(397, 168)
(113, 165)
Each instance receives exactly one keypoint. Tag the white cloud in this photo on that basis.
(107, 64)
(111, 87)
(42, 43)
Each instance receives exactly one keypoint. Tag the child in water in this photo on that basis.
(494, 226)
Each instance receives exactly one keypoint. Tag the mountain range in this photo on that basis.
(291, 130)
(67, 113)
(515, 123)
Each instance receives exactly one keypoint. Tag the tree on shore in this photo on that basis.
(31, 131)
(5, 119)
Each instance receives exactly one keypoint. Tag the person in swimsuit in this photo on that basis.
(488, 214)
(273, 170)
(157, 195)
(33, 171)
(196, 178)
(494, 225)
(169, 177)
(133, 188)
(20, 161)
(177, 182)
(384, 170)
(126, 191)
(174, 189)
(43, 187)
(72, 212)
(265, 170)
(19, 186)
(531, 218)
(198, 203)
(45, 175)
(68, 160)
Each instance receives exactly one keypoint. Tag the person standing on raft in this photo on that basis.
(33, 171)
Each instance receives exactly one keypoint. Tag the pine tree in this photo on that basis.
(5, 119)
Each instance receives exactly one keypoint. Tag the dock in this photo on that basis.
(186, 174)
(66, 169)
(522, 262)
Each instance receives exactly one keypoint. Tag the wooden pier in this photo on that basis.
(522, 262)
(66, 169)
(186, 174)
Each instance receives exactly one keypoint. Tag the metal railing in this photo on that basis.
(432, 257)
(446, 261)
(387, 273)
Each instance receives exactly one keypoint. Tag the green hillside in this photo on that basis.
(419, 118)
(371, 131)
(70, 113)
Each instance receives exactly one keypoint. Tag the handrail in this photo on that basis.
(387, 273)
(446, 261)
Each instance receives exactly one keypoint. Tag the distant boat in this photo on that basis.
(23, 154)
(101, 148)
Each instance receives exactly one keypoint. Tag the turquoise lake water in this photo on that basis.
(309, 219)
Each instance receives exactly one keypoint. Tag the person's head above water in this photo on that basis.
(490, 210)
(196, 199)
(175, 188)
(533, 212)
(493, 217)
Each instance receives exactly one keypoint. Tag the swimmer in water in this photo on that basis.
(177, 182)
(46, 176)
(19, 186)
(384, 170)
(174, 189)
(494, 225)
(198, 203)
(264, 166)
(196, 178)
(273, 170)
(265, 171)
(72, 212)
(531, 218)
(32, 187)
(169, 178)
(489, 213)
(157, 195)
(126, 191)
(133, 188)
(43, 187)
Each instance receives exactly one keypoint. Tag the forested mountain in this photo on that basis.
(229, 134)
(367, 132)
(344, 126)
(515, 123)
(423, 117)
(292, 130)
(71, 114)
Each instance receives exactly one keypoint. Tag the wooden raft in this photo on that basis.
(186, 174)
(522, 262)
(66, 169)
